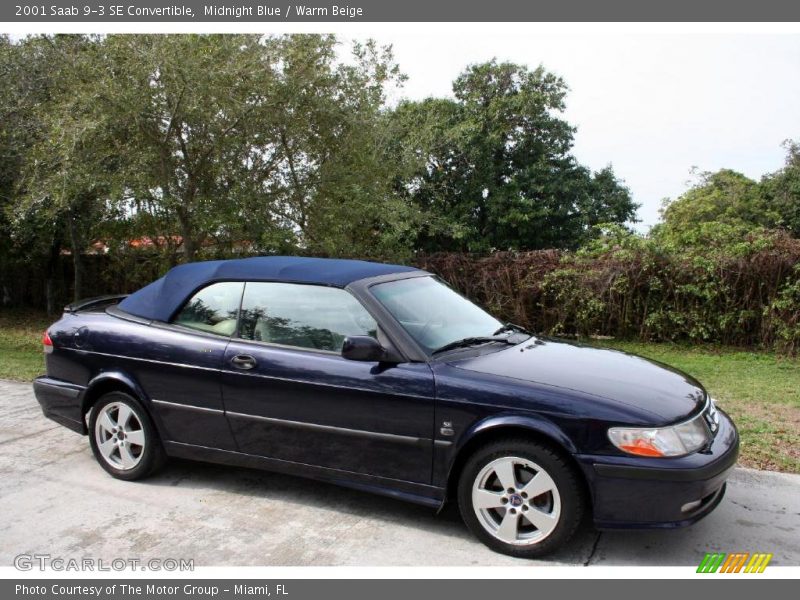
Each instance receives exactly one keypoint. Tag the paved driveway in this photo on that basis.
(55, 499)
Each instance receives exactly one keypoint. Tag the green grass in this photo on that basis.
(760, 390)
(21, 356)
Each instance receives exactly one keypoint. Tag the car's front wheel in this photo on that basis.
(520, 498)
(123, 438)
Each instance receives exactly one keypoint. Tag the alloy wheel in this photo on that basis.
(516, 501)
(120, 436)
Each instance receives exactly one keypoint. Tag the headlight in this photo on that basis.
(676, 440)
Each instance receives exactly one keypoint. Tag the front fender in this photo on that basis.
(490, 427)
(535, 423)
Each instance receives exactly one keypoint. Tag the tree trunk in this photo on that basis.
(189, 243)
(189, 248)
(49, 295)
(77, 259)
(50, 277)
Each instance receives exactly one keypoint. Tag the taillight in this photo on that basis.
(48, 343)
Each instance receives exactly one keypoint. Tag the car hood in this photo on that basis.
(662, 391)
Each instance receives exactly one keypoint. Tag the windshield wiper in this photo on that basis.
(512, 338)
(511, 327)
(472, 341)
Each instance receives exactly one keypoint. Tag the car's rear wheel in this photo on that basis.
(520, 498)
(123, 438)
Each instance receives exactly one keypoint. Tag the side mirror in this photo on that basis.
(364, 348)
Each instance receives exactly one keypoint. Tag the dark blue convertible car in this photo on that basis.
(382, 378)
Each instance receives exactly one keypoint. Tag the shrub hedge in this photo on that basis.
(743, 294)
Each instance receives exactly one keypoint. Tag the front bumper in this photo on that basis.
(635, 492)
(60, 401)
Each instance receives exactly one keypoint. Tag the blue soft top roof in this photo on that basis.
(162, 298)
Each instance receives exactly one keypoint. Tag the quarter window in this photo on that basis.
(305, 316)
(213, 309)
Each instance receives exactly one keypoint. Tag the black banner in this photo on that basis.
(266, 11)
(383, 589)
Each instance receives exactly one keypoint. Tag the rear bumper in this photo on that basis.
(631, 492)
(60, 401)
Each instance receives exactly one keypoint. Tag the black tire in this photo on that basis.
(150, 456)
(570, 497)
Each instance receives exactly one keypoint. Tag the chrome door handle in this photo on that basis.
(243, 361)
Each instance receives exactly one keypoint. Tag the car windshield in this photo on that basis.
(432, 313)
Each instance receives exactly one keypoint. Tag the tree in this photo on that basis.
(11, 147)
(721, 203)
(188, 106)
(494, 166)
(781, 190)
(268, 140)
(68, 173)
(51, 183)
(328, 183)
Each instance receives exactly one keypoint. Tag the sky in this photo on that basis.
(652, 105)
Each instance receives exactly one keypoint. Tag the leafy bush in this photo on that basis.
(783, 314)
(737, 290)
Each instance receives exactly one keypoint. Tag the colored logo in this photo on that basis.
(738, 562)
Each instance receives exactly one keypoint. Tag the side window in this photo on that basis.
(306, 316)
(212, 309)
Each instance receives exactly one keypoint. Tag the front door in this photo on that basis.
(290, 395)
(181, 375)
